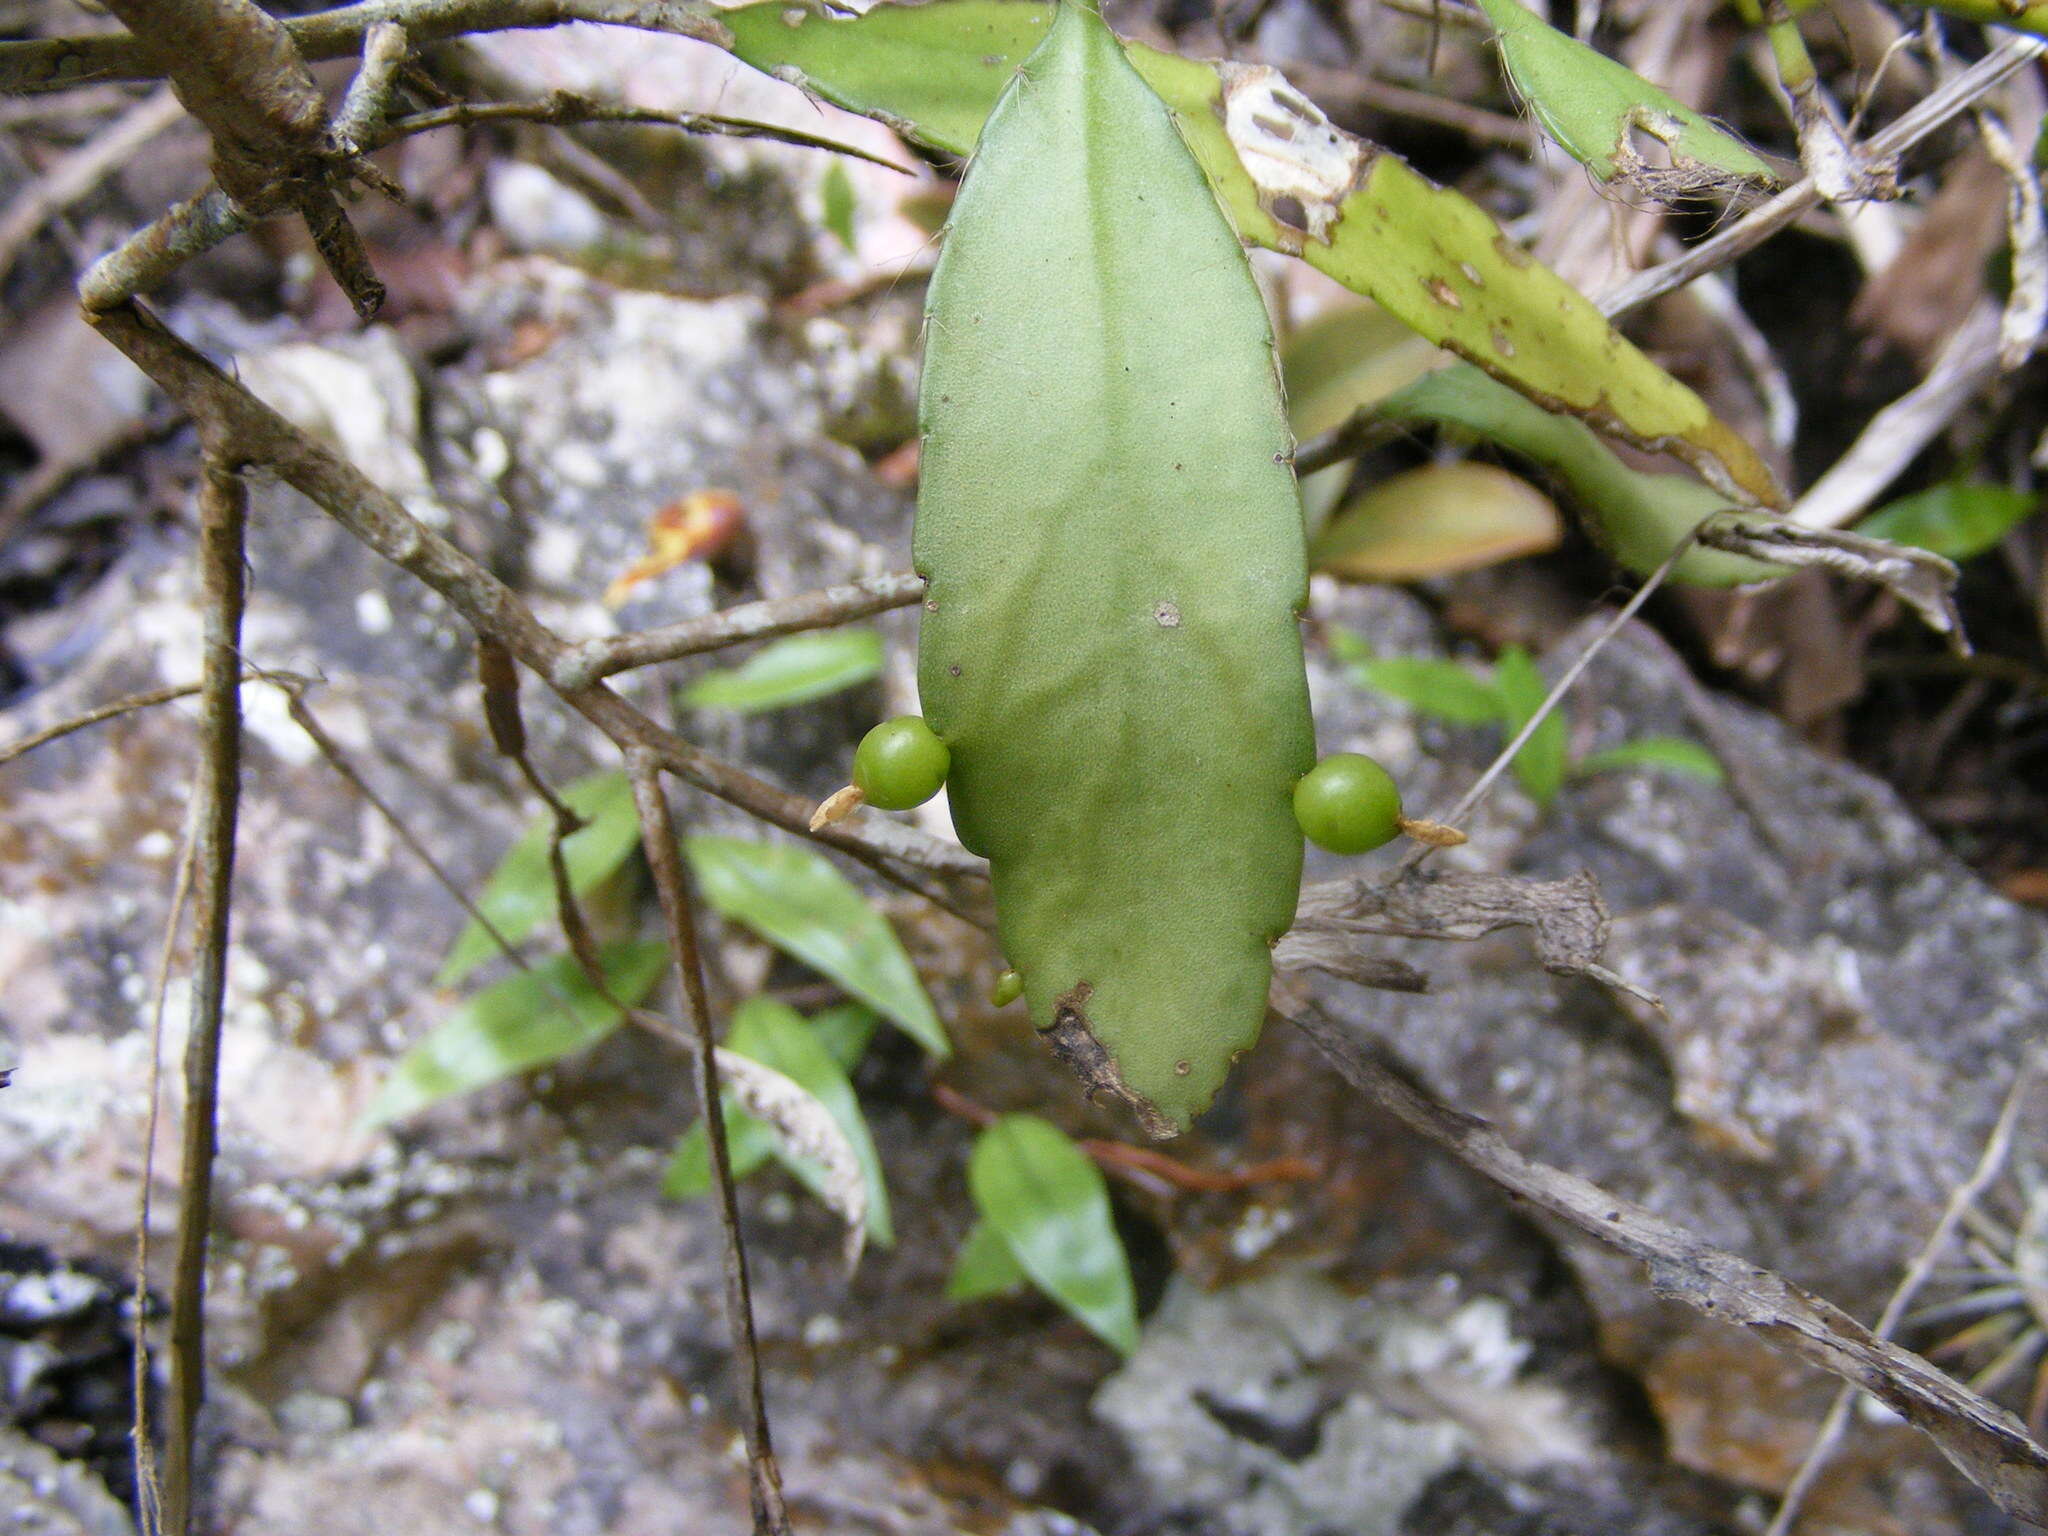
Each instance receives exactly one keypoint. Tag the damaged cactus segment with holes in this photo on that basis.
(1110, 530)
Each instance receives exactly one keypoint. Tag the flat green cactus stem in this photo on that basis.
(1112, 536)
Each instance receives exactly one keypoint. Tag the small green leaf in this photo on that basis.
(1956, 519)
(773, 1034)
(1592, 105)
(984, 1266)
(521, 892)
(524, 1021)
(797, 901)
(1540, 764)
(1440, 688)
(1050, 1205)
(837, 192)
(1674, 753)
(793, 670)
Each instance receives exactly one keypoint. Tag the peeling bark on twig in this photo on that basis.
(236, 69)
(895, 851)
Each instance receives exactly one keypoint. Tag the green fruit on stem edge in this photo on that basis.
(900, 763)
(1347, 803)
(1008, 988)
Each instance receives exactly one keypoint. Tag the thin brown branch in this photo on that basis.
(337, 759)
(894, 850)
(671, 884)
(57, 64)
(95, 716)
(590, 660)
(1986, 1443)
(1148, 1168)
(566, 109)
(223, 506)
(236, 69)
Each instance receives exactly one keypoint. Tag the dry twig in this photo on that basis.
(1960, 1199)
(223, 506)
(671, 884)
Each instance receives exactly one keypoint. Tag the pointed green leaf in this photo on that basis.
(1591, 106)
(1113, 543)
(1956, 519)
(1673, 753)
(1049, 1204)
(1429, 255)
(521, 892)
(792, 670)
(796, 900)
(1440, 688)
(1540, 764)
(773, 1034)
(525, 1021)
(984, 1266)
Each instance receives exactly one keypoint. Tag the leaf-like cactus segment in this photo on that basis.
(1113, 541)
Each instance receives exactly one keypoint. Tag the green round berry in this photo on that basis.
(1008, 988)
(900, 763)
(1347, 803)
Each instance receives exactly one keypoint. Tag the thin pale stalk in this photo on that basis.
(148, 1492)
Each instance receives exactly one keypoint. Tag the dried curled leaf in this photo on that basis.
(1568, 918)
(805, 1129)
(1594, 107)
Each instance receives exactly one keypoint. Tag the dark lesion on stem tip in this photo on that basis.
(1072, 1040)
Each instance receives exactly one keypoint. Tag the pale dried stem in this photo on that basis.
(1964, 1196)
(1987, 1444)
(671, 884)
(1460, 813)
(148, 1490)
